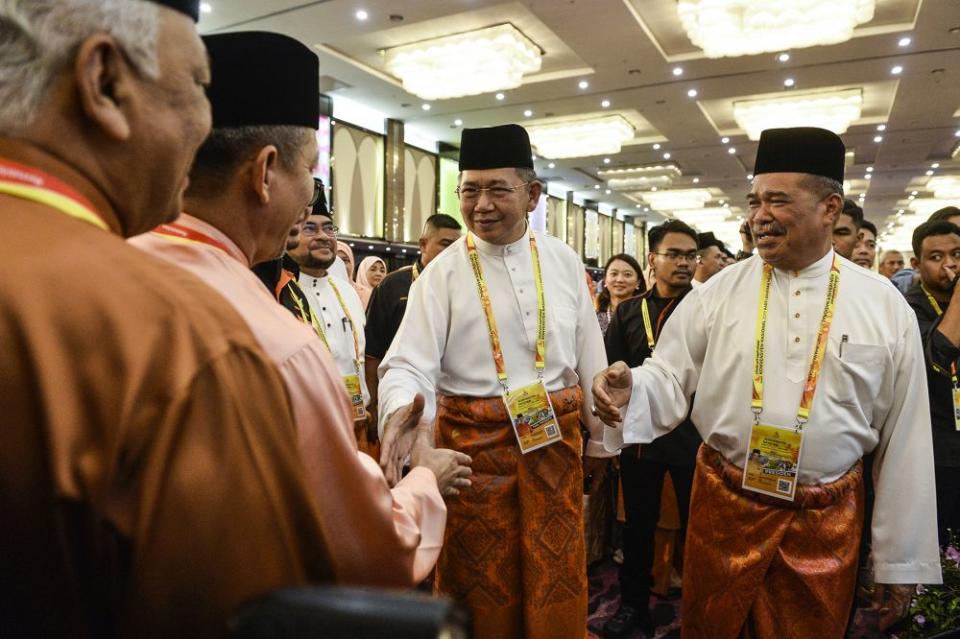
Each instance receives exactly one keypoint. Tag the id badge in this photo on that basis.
(773, 461)
(531, 412)
(956, 408)
(352, 382)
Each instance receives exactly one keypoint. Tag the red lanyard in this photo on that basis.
(179, 232)
(32, 184)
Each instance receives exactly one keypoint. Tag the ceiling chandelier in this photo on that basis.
(944, 187)
(730, 28)
(678, 200)
(490, 59)
(832, 110)
(582, 137)
(640, 177)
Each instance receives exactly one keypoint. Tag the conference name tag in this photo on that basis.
(773, 461)
(531, 412)
(956, 408)
(352, 382)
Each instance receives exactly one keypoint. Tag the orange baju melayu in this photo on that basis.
(514, 549)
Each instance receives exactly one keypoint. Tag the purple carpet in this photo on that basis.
(605, 598)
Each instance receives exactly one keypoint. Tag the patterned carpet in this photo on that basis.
(605, 598)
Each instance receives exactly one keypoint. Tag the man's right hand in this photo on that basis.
(451, 468)
(611, 392)
(399, 436)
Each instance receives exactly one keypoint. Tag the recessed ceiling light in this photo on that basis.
(912, 197)
(749, 176)
(653, 188)
(583, 84)
(869, 169)
(935, 165)
(677, 70)
(361, 14)
(206, 7)
(732, 150)
(930, 172)
(458, 122)
(897, 70)
(914, 192)
(692, 93)
(726, 205)
(527, 113)
(656, 147)
(607, 191)
(596, 186)
(666, 156)
(904, 41)
(425, 107)
(605, 103)
(552, 165)
(788, 82)
(499, 96)
(606, 160)
(956, 133)
(646, 208)
(867, 176)
(696, 180)
(784, 57)
(881, 127)
(878, 138)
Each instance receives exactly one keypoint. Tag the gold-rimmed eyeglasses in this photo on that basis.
(472, 193)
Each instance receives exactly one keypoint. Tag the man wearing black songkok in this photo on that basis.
(802, 363)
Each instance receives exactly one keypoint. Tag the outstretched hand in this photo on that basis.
(399, 436)
(451, 468)
(611, 392)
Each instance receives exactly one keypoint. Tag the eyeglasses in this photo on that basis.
(472, 193)
(310, 229)
(317, 190)
(677, 256)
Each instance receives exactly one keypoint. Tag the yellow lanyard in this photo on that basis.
(307, 316)
(806, 400)
(416, 272)
(647, 325)
(28, 183)
(540, 359)
(357, 362)
(939, 312)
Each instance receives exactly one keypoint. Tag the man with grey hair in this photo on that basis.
(147, 490)
(794, 385)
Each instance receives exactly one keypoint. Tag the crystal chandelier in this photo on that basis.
(678, 200)
(832, 110)
(481, 61)
(582, 137)
(730, 28)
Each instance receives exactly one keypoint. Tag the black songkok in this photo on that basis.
(189, 7)
(496, 147)
(801, 150)
(262, 79)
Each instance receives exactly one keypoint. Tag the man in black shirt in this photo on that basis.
(936, 244)
(389, 300)
(631, 337)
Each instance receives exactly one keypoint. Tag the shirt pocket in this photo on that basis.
(853, 373)
(562, 332)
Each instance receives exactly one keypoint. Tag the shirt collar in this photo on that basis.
(817, 269)
(500, 250)
(198, 225)
(30, 155)
(307, 281)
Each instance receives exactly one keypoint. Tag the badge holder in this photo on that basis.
(773, 459)
(352, 382)
(531, 413)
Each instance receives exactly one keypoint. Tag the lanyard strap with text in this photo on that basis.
(353, 327)
(540, 361)
(806, 400)
(306, 315)
(182, 233)
(416, 272)
(939, 312)
(31, 184)
(647, 325)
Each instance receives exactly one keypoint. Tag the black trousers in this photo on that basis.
(948, 500)
(642, 486)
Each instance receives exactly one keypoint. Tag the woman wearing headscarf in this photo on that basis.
(370, 273)
(345, 253)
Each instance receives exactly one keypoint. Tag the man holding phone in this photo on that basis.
(936, 245)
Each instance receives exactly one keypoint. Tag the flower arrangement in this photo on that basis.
(936, 609)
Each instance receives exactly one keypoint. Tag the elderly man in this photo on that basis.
(891, 262)
(711, 258)
(150, 477)
(502, 328)
(829, 368)
(251, 181)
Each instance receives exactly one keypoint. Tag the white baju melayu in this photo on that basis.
(442, 345)
(870, 397)
(336, 324)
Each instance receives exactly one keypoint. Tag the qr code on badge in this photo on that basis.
(783, 486)
(551, 431)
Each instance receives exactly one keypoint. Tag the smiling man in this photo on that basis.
(503, 319)
(793, 349)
